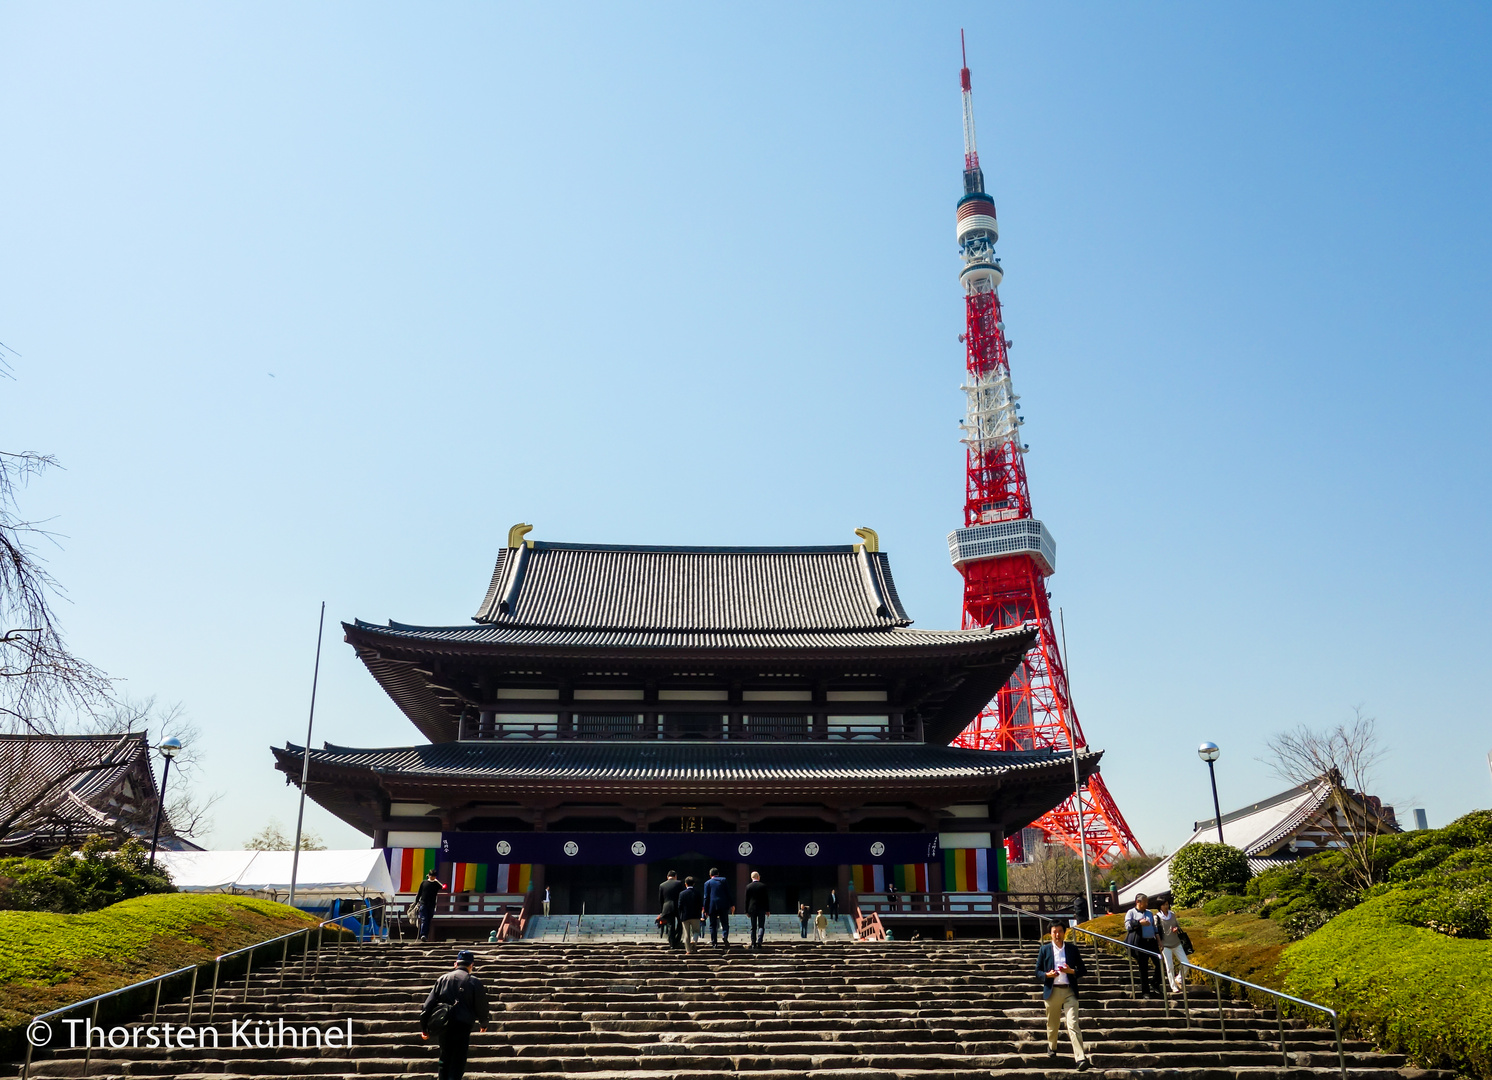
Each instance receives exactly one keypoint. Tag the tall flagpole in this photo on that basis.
(305, 760)
(1077, 782)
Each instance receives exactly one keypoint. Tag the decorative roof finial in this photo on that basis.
(872, 540)
(517, 533)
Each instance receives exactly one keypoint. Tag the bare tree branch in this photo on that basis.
(1347, 757)
(188, 812)
(41, 680)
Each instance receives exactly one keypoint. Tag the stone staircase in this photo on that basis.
(850, 1011)
(642, 929)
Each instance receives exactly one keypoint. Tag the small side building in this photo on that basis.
(1279, 830)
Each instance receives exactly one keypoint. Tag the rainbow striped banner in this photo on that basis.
(903, 877)
(491, 877)
(968, 869)
(408, 866)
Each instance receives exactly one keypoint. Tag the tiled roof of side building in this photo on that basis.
(711, 589)
(43, 767)
(654, 760)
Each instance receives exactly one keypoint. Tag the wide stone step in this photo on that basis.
(638, 1011)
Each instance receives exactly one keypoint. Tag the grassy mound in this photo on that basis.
(49, 960)
(1409, 989)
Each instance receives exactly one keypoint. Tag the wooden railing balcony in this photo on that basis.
(973, 903)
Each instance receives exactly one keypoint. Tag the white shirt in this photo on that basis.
(1059, 961)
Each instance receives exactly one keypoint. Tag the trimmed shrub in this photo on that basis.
(1453, 910)
(1305, 921)
(1202, 871)
(1226, 904)
(93, 878)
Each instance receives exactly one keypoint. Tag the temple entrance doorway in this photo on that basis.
(788, 886)
(602, 890)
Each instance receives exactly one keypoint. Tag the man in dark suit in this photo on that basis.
(668, 906)
(833, 906)
(757, 908)
(1060, 966)
(719, 906)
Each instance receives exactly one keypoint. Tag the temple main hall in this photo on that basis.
(612, 712)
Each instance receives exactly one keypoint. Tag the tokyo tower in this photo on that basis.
(1004, 554)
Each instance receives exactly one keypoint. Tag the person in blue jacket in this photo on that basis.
(1060, 966)
(720, 905)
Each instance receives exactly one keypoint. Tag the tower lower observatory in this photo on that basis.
(1004, 553)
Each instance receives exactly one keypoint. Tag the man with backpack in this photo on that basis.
(457, 1002)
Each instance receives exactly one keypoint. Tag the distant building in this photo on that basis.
(58, 790)
(1280, 830)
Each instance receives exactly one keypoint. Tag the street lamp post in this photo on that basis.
(1208, 752)
(169, 748)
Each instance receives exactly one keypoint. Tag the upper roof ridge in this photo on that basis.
(654, 587)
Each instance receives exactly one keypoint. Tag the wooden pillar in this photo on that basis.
(640, 874)
(842, 889)
(650, 720)
(735, 726)
(566, 708)
(640, 889)
(743, 868)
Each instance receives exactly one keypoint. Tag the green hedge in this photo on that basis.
(91, 878)
(1408, 989)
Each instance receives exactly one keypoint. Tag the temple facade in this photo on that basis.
(612, 712)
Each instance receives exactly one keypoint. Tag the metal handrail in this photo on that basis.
(1217, 977)
(195, 969)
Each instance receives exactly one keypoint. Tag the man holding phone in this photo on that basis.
(1060, 966)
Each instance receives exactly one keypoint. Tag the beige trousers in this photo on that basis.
(1064, 1004)
(691, 931)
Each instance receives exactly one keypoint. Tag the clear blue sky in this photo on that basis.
(314, 301)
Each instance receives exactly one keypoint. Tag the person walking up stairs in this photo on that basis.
(457, 1002)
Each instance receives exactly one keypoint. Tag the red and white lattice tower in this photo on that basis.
(1005, 554)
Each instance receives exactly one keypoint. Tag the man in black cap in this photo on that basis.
(463, 1000)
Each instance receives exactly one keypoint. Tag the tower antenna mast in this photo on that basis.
(1003, 552)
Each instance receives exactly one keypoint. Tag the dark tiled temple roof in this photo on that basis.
(658, 760)
(889, 638)
(706, 589)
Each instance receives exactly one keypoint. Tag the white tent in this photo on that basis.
(321, 876)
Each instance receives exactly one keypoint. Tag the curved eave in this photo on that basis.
(588, 644)
(977, 662)
(1024, 791)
